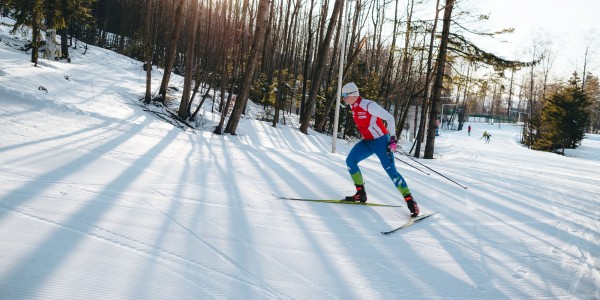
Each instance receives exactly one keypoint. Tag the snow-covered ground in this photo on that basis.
(102, 199)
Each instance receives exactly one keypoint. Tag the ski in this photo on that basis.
(336, 201)
(410, 222)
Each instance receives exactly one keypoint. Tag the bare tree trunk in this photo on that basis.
(510, 91)
(384, 89)
(262, 19)
(226, 64)
(172, 51)
(425, 105)
(272, 62)
(64, 32)
(148, 50)
(36, 29)
(461, 116)
(307, 60)
(189, 62)
(35, 43)
(493, 104)
(320, 68)
(585, 62)
(321, 120)
(439, 80)
(285, 90)
(530, 116)
(206, 94)
(405, 62)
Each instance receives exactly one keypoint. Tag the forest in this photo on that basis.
(426, 69)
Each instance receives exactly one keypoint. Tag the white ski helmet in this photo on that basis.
(351, 89)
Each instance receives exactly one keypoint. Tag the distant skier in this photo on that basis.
(469, 130)
(369, 117)
(487, 137)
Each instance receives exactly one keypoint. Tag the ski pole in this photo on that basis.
(413, 166)
(464, 187)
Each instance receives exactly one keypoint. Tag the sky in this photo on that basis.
(568, 24)
(102, 198)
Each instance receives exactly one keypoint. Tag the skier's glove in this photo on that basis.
(392, 145)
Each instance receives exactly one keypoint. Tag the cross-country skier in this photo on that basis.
(487, 136)
(369, 117)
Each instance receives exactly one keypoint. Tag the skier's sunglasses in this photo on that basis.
(345, 95)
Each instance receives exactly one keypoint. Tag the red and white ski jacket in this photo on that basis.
(369, 117)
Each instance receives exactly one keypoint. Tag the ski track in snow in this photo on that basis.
(182, 266)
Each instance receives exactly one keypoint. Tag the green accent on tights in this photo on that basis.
(357, 178)
(404, 191)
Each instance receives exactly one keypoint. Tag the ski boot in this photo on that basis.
(360, 196)
(412, 205)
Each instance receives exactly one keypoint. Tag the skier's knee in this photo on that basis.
(351, 163)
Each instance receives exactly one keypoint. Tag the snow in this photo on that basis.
(102, 199)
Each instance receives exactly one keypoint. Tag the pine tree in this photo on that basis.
(592, 89)
(564, 118)
(30, 14)
(42, 15)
